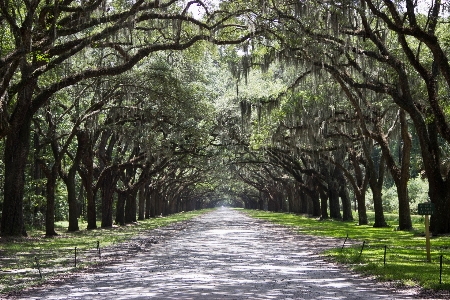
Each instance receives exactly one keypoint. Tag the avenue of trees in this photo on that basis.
(120, 110)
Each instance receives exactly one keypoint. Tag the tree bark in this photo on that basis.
(142, 203)
(346, 204)
(362, 211)
(17, 146)
(120, 207)
(378, 207)
(88, 182)
(153, 203)
(404, 210)
(72, 199)
(343, 194)
(69, 179)
(130, 207)
(315, 205)
(376, 185)
(335, 212)
(359, 188)
(52, 176)
(400, 174)
(260, 202)
(304, 202)
(107, 187)
(439, 188)
(324, 205)
(148, 195)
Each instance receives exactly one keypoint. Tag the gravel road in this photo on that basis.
(222, 255)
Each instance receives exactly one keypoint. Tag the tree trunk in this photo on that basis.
(72, 199)
(346, 204)
(15, 159)
(120, 208)
(88, 181)
(333, 197)
(324, 205)
(142, 203)
(378, 207)
(290, 198)
(17, 146)
(304, 202)
(273, 205)
(108, 183)
(164, 204)
(91, 207)
(153, 195)
(148, 195)
(439, 194)
(69, 178)
(173, 204)
(81, 202)
(160, 205)
(134, 208)
(52, 176)
(343, 194)
(376, 185)
(438, 188)
(362, 212)
(260, 202)
(316, 212)
(295, 202)
(130, 207)
(38, 175)
(315, 205)
(404, 210)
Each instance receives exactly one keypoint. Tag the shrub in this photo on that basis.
(418, 193)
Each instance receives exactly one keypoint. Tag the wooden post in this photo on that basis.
(344, 242)
(362, 248)
(39, 267)
(427, 236)
(426, 209)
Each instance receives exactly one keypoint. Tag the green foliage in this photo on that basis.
(42, 57)
(417, 192)
(61, 203)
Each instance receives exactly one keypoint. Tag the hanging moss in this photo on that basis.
(246, 110)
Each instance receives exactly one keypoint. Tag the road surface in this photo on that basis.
(223, 255)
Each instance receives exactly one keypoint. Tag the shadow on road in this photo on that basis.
(224, 255)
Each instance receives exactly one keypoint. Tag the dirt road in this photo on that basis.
(223, 255)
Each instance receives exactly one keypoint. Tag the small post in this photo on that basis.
(385, 248)
(440, 270)
(362, 248)
(426, 209)
(344, 242)
(427, 236)
(38, 266)
(75, 257)
(98, 248)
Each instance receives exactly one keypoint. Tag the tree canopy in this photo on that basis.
(124, 110)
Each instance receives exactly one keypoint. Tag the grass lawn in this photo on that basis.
(405, 250)
(19, 257)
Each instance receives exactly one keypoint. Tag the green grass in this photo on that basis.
(18, 267)
(405, 256)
